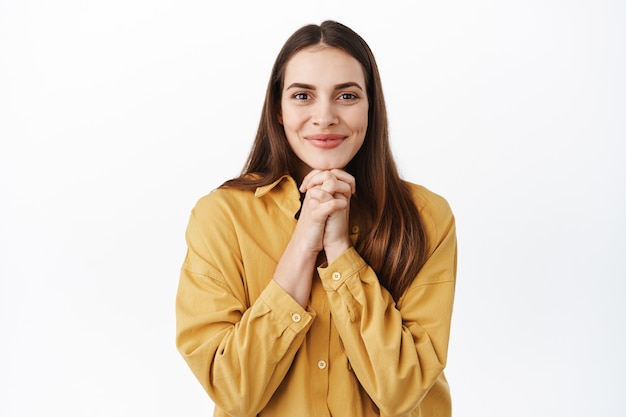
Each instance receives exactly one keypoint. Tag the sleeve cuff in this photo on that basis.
(286, 309)
(343, 268)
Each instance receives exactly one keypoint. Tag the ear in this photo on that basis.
(280, 117)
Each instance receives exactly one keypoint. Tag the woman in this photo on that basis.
(318, 282)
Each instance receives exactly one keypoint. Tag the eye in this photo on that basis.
(348, 96)
(301, 96)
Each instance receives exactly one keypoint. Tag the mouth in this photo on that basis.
(326, 140)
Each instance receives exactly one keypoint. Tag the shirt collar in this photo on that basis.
(284, 191)
(261, 191)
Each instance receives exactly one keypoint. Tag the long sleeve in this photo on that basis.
(239, 349)
(398, 352)
(352, 351)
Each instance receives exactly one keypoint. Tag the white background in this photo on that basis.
(116, 116)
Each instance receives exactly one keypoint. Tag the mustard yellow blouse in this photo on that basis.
(353, 352)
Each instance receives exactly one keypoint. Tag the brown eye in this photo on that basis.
(347, 96)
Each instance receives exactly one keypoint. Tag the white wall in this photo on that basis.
(116, 116)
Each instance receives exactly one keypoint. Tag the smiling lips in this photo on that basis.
(326, 140)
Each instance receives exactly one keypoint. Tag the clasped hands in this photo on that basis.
(322, 225)
(324, 217)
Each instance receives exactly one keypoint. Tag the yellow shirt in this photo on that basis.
(353, 352)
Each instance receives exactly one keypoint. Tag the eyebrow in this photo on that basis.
(337, 87)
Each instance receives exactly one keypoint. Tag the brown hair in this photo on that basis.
(395, 245)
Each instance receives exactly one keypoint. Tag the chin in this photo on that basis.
(328, 165)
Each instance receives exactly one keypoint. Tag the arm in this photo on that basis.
(240, 353)
(327, 195)
(397, 352)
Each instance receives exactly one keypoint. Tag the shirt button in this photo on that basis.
(336, 276)
(296, 317)
(355, 229)
(321, 364)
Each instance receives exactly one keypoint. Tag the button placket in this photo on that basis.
(319, 337)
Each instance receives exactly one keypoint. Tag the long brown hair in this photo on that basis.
(395, 244)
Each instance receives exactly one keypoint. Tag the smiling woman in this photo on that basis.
(331, 292)
(324, 108)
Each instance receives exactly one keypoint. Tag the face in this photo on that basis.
(324, 107)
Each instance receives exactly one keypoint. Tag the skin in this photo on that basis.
(324, 111)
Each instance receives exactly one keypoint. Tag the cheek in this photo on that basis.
(360, 123)
(359, 119)
(289, 119)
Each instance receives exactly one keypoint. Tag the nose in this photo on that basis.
(324, 114)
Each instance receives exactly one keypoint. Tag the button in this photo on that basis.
(336, 276)
(355, 229)
(321, 364)
(296, 317)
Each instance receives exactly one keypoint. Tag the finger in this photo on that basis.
(318, 194)
(319, 205)
(334, 186)
(328, 179)
(331, 206)
(306, 179)
(318, 177)
(314, 178)
(343, 176)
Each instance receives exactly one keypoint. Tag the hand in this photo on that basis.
(328, 194)
(323, 224)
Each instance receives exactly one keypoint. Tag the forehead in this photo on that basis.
(323, 65)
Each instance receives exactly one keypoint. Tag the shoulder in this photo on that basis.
(429, 203)
(221, 208)
(435, 214)
(222, 198)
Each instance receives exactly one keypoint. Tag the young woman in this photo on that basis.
(319, 283)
